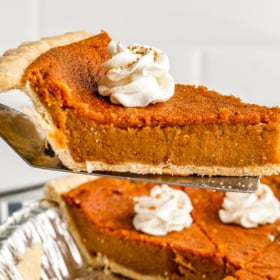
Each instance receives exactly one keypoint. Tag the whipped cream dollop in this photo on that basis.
(136, 76)
(250, 209)
(163, 211)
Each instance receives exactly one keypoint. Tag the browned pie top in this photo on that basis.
(67, 77)
(108, 204)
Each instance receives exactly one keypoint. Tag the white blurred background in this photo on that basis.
(231, 46)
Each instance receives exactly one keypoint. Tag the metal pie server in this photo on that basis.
(21, 134)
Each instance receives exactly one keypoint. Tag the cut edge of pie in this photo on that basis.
(43, 118)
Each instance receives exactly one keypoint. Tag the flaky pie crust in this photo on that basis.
(14, 61)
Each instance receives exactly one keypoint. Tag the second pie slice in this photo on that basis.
(196, 131)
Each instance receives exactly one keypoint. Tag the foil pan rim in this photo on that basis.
(40, 223)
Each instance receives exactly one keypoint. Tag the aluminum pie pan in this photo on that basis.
(41, 224)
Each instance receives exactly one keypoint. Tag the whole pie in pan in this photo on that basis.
(100, 215)
(196, 131)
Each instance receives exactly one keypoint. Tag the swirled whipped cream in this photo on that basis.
(137, 76)
(165, 210)
(250, 210)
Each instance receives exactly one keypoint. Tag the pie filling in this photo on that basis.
(195, 144)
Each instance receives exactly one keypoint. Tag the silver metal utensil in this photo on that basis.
(21, 134)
